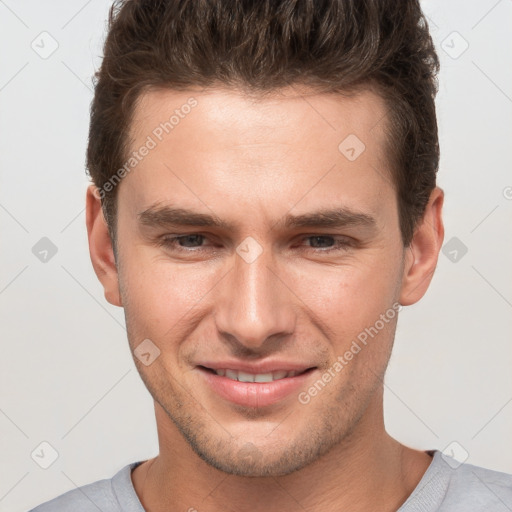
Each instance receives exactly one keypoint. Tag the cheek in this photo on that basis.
(165, 300)
(350, 298)
(160, 297)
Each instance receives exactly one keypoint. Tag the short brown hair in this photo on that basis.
(264, 45)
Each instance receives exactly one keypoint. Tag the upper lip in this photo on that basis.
(256, 368)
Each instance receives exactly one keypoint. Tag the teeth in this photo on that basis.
(267, 377)
(258, 377)
(245, 377)
(232, 374)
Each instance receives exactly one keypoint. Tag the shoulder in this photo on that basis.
(449, 486)
(91, 497)
(476, 488)
(115, 494)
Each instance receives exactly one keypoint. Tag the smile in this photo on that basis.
(241, 376)
(250, 389)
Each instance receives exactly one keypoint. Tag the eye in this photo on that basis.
(321, 241)
(196, 242)
(328, 243)
(183, 242)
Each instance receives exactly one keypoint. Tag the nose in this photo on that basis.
(254, 304)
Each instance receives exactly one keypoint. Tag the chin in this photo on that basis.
(247, 459)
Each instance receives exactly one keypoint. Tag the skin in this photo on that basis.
(251, 162)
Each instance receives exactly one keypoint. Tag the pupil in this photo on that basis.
(324, 238)
(191, 239)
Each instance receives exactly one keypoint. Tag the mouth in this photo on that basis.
(242, 376)
(256, 388)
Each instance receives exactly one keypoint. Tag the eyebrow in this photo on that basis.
(166, 216)
(330, 218)
(163, 216)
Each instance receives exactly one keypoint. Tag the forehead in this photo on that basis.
(270, 151)
(252, 114)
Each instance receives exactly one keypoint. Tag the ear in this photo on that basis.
(100, 247)
(421, 256)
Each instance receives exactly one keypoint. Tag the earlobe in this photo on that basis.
(100, 247)
(422, 254)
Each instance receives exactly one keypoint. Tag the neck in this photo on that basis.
(367, 470)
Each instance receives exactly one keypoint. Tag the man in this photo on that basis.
(264, 203)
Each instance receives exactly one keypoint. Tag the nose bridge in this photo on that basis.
(254, 304)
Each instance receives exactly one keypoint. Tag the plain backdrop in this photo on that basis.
(66, 374)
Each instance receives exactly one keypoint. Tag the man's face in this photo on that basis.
(275, 285)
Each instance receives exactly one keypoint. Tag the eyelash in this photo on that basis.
(340, 243)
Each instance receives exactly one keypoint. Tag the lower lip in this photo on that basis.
(255, 394)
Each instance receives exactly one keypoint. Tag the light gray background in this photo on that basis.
(66, 375)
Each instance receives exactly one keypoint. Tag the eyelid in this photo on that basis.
(174, 238)
(341, 242)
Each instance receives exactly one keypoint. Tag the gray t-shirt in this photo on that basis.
(445, 487)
